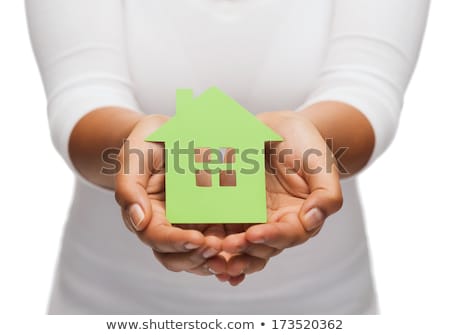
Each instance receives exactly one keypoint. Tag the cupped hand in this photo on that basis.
(140, 193)
(302, 187)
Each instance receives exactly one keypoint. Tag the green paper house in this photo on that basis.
(214, 160)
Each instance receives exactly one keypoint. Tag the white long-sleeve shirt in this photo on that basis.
(268, 55)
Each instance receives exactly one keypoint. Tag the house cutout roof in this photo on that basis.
(213, 119)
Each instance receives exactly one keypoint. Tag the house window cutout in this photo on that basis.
(203, 178)
(228, 178)
(202, 155)
(227, 155)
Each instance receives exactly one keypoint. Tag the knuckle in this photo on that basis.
(298, 237)
(121, 192)
(337, 199)
(148, 240)
(332, 200)
(118, 195)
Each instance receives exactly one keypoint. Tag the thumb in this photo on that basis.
(139, 160)
(325, 199)
(130, 186)
(134, 202)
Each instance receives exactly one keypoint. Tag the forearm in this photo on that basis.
(368, 64)
(99, 130)
(347, 128)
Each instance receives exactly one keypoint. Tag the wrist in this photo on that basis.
(348, 133)
(101, 129)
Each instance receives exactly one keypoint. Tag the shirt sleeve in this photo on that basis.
(372, 52)
(79, 47)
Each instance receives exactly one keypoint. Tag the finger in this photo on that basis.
(262, 251)
(238, 243)
(223, 277)
(157, 241)
(286, 233)
(235, 243)
(190, 261)
(177, 262)
(165, 238)
(201, 270)
(245, 264)
(235, 281)
(213, 240)
(216, 265)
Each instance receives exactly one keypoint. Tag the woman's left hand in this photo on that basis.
(303, 189)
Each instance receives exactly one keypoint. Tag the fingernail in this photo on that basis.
(191, 246)
(313, 219)
(136, 215)
(212, 271)
(259, 241)
(128, 226)
(209, 253)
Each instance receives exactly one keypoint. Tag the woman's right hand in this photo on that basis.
(140, 192)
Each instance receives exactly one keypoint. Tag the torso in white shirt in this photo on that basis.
(268, 55)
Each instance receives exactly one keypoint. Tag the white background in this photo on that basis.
(406, 192)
